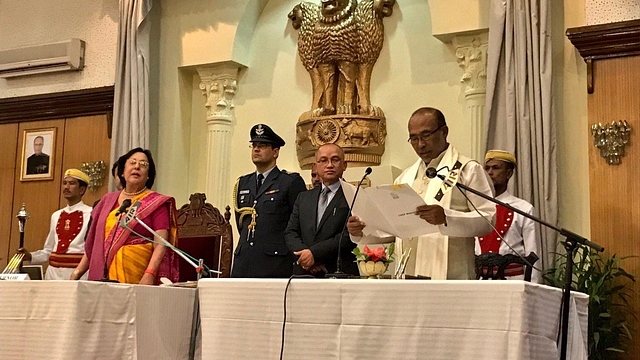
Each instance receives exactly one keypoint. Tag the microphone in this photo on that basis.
(448, 182)
(339, 274)
(123, 208)
(130, 215)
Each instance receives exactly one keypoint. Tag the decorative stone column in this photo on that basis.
(465, 24)
(218, 83)
(471, 53)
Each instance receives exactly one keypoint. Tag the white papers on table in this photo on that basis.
(389, 208)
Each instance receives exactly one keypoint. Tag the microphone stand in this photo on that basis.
(339, 274)
(121, 212)
(105, 271)
(570, 244)
(195, 322)
(199, 268)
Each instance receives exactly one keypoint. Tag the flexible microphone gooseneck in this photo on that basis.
(183, 254)
(121, 211)
(339, 274)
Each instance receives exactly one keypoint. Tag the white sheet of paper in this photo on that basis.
(389, 208)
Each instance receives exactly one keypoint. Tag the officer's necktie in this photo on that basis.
(322, 204)
(260, 179)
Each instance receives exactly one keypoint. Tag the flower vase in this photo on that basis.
(373, 269)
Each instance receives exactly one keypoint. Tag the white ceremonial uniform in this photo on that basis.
(51, 244)
(450, 253)
(523, 235)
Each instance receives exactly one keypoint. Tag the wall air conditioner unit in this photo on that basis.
(39, 59)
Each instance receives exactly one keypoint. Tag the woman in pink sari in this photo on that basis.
(130, 257)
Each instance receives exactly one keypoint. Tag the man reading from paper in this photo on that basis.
(448, 254)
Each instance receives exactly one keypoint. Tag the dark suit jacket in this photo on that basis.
(264, 253)
(322, 240)
(38, 164)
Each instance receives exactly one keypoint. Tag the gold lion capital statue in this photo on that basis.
(339, 41)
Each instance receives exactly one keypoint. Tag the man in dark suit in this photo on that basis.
(38, 163)
(318, 219)
(263, 202)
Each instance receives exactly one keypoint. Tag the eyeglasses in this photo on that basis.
(324, 161)
(424, 136)
(142, 163)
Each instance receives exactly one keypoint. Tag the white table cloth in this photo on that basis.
(386, 319)
(93, 320)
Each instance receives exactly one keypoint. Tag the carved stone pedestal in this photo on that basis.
(362, 137)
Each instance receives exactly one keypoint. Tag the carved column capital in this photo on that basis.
(471, 54)
(218, 83)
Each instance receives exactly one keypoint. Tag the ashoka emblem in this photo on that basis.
(326, 131)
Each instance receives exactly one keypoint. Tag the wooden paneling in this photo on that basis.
(86, 140)
(40, 197)
(614, 189)
(80, 137)
(9, 134)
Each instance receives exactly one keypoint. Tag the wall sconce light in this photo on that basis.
(96, 171)
(611, 139)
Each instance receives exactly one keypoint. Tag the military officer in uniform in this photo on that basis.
(263, 202)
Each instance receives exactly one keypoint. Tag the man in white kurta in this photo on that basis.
(448, 254)
(520, 234)
(64, 245)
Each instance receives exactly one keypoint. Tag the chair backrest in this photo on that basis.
(492, 266)
(204, 234)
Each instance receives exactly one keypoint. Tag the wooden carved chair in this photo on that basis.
(496, 267)
(204, 234)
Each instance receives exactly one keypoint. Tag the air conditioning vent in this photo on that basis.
(39, 59)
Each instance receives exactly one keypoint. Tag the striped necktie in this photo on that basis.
(322, 204)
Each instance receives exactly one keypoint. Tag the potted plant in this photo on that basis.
(607, 284)
(374, 262)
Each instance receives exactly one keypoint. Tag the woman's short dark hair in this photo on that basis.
(152, 166)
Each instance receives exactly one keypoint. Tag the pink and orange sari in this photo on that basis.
(129, 255)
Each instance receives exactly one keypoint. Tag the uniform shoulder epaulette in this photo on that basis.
(292, 174)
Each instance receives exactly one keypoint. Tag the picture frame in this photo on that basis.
(38, 153)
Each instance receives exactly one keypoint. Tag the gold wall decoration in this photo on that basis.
(339, 42)
(611, 140)
(96, 171)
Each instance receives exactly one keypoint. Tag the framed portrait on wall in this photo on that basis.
(38, 149)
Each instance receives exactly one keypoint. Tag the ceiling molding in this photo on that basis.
(57, 105)
(595, 42)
